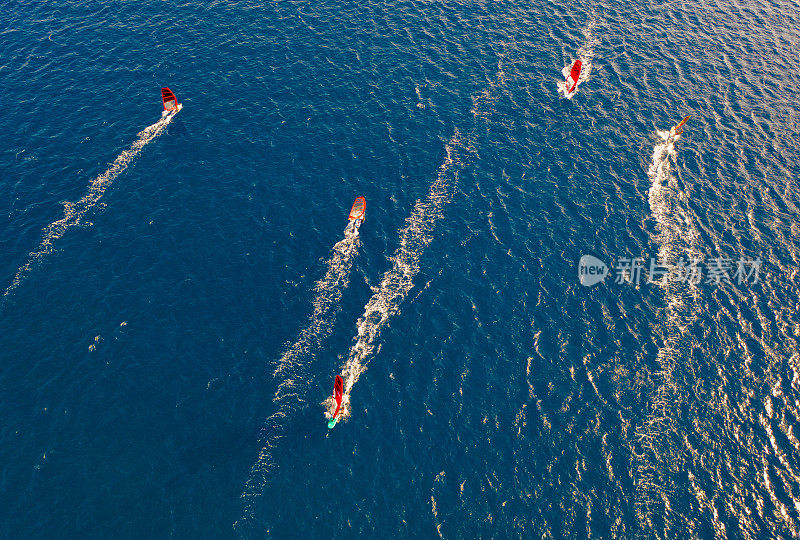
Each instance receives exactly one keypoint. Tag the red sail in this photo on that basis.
(338, 391)
(574, 75)
(169, 100)
(358, 209)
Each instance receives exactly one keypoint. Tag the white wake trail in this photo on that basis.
(75, 211)
(329, 292)
(678, 239)
(677, 233)
(290, 372)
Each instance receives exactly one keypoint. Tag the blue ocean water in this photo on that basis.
(171, 326)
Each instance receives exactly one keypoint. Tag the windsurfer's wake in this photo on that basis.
(578, 71)
(678, 238)
(75, 211)
(289, 374)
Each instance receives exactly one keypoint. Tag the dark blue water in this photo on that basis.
(180, 293)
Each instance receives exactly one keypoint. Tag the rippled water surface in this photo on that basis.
(179, 294)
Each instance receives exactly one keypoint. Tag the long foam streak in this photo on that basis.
(398, 281)
(677, 237)
(291, 371)
(75, 211)
(586, 53)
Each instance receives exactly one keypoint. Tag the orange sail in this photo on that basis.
(169, 100)
(358, 209)
(677, 130)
